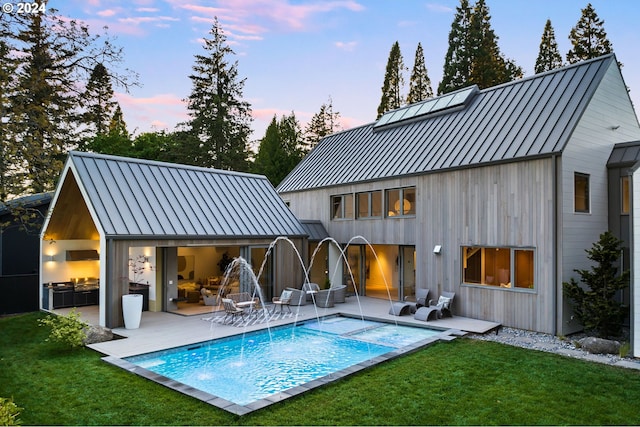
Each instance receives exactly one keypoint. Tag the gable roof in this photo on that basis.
(531, 117)
(138, 198)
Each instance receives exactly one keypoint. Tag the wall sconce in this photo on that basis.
(50, 258)
(437, 249)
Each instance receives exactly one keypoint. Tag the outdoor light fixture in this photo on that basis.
(437, 249)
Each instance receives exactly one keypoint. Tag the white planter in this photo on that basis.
(132, 310)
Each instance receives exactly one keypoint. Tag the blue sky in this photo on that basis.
(296, 54)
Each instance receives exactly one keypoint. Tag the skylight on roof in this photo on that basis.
(430, 106)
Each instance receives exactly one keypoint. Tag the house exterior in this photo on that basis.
(491, 194)
(171, 228)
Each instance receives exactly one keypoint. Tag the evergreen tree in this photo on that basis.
(99, 102)
(474, 56)
(488, 65)
(457, 61)
(10, 178)
(54, 61)
(393, 82)
(280, 149)
(419, 82)
(220, 119)
(44, 106)
(323, 123)
(588, 38)
(596, 306)
(549, 57)
(117, 125)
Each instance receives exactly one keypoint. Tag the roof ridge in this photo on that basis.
(75, 153)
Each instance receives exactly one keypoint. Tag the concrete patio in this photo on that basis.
(160, 330)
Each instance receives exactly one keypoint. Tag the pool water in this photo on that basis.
(245, 368)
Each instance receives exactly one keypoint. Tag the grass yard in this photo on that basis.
(464, 382)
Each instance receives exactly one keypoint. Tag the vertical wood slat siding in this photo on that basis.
(508, 205)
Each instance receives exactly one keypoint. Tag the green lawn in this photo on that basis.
(464, 382)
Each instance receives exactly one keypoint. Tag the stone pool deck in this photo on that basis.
(159, 331)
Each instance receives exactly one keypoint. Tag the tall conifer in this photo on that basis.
(220, 118)
(323, 123)
(393, 82)
(457, 61)
(488, 66)
(99, 102)
(549, 57)
(588, 38)
(419, 82)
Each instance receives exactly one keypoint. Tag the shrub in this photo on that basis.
(68, 330)
(9, 412)
(596, 306)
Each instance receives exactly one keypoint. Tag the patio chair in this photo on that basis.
(298, 296)
(438, 311)
(282, 301)
(339, 293)
(324, 298)
(230, 309)
(309, 289)
(208, 297)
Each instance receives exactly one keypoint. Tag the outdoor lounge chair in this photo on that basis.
(324, 298)
(309, 289)
(298, 296)
(339, 293)
(438, 311)
(230, 309)
(282, 301)
(208, 297)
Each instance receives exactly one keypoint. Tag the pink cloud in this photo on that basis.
(346, 46)
(107, 13)
(162, 111)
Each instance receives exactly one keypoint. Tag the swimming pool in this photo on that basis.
(249, 371)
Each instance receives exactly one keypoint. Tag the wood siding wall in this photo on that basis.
(608, 120)
(509, 205)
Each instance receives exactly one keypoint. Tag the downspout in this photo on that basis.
(554, 249)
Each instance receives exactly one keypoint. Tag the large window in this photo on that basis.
(342, 206)
(401, 202)
(581, 192)
(369, 204)
(500, 267)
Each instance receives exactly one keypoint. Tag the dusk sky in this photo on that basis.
(296, 54)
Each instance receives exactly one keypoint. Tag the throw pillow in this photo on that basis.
(443, 302)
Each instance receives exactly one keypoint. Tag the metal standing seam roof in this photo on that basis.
(624, 154)
(530, 117)
(139, 198)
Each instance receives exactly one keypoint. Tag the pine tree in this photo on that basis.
(596, 306)
(457, 62)
(474, 56)
(43, 106)
(549, 57)
(10, 180)
(393, 82)
(419, 82)
(323, 123)
(99, 102)
(280, 149)
(55, 59)
(488, 65)
(220, 119)
(117, 125)
(588, 38)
